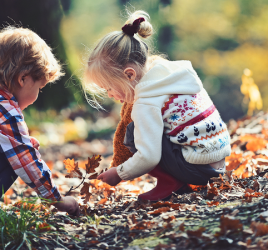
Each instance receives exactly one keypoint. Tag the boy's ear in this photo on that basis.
(21, 79)
(130, 73)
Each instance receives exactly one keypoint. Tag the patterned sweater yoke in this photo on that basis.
(194, 122)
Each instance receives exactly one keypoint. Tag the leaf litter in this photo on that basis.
(230, 212)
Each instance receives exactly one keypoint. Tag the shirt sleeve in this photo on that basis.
(148, 134)
(26, 161)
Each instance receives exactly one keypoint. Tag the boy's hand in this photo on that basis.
(35, 142)
(68, 204)
(110, 177)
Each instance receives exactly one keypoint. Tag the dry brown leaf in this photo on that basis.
(72, 169)
(102, 201)
(256, 185)
(143, 225)
(181, 227)
(225, 186)
(196, 233)
(259, 228)
(131, 219)
(165, 204)
(9, 191)
(262, 244)
(229, 223)
(93, 163)
(196, 188)
(92, 242)
(256, 144)
(160, 210)
(44, 227)
(212, 191)
(234, 160)
(187, 207)
(249, 195)
(70, 165)
(30, 206)
(168, 218)
(212, 203)
(85, 191)
(91, 233)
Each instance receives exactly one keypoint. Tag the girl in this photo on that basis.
(177, 134)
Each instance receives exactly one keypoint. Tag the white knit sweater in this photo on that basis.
(171, 98)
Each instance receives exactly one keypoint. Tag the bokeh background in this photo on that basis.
(221, 38)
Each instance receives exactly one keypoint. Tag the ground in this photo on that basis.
(229, 213)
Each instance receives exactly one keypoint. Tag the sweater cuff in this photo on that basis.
(122, 173)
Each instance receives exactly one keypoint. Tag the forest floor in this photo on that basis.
(229, 213)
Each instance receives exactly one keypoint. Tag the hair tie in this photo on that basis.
(131, 29)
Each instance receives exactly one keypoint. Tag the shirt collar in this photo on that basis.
(7, 94)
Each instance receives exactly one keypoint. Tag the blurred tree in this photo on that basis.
(43, 17)
(221, 38)
(165, 40)
(66, 5)
(165, 2)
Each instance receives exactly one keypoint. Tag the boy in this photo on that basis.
(26, 66)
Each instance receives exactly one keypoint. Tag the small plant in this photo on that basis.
(22, 223)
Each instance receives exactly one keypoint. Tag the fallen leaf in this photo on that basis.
(69, 164)
(212, 203)
(259, 228)
(102, 201)
(132, 219)
(160, 210)
(85, 191)
(143, 225)
(233, 161)
(73, 169)
(229, 223)
(44, 227)
(212, 191)
(256, 144)
(93, 163)
(196, 233)
(92, 233)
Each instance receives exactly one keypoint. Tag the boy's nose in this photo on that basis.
(110, 95)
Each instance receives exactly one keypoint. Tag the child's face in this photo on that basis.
(112, 93)
(26, 92)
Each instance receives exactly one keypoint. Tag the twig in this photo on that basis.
(72, 187)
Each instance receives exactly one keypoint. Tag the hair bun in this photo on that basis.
(145, 29)
(131, 29)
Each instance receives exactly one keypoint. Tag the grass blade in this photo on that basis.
(23, 240)
(2, 237)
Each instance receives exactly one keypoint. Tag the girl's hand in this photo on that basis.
(110, 177)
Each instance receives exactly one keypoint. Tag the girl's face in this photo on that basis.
(118, 96)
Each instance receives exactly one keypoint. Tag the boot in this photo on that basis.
(166, 185)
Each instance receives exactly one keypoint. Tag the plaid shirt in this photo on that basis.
(16, 145)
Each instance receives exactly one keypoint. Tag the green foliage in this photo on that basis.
(44, 18)
(220, 38)
(20, 227)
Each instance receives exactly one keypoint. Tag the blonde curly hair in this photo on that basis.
(23, 51)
